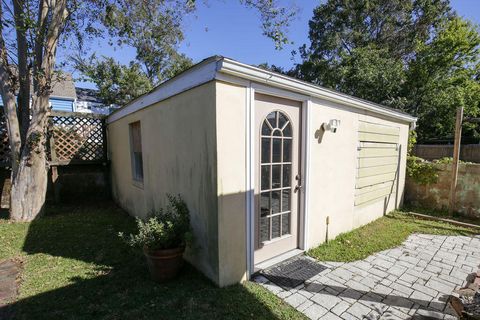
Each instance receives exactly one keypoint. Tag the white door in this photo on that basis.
(277, 172)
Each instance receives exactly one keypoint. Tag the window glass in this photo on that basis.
(275, 176)
(136, 151)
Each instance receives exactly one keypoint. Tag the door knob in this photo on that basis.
(299, 185)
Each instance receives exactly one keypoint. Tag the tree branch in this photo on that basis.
(8, 97)
(23, 70)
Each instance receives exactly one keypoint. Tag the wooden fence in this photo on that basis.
(73, 138)
(76, 152)
(468, 152)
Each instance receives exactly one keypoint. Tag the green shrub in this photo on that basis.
(421, 170)
(168, 228)
(449, 160)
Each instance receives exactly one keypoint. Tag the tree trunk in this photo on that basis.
(23, 70)
(29, 186)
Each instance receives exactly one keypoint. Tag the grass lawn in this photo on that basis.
(381, 234)
(76, 267)
(442, 214)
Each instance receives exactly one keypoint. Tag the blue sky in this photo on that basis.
(225, 27)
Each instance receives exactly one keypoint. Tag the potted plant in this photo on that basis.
(163, 237)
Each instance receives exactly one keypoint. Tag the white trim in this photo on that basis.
(281, 93)
(245, 71)
(197, 75)
(304, 153)
(228, 70)
(306, 111)
(232, 79)
(250, 178)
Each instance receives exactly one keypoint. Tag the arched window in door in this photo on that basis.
(275, 176)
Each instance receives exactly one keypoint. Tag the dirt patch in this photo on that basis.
(9, 281)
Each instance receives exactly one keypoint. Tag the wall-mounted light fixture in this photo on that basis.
(332, 125)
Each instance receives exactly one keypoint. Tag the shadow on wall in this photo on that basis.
(108, 280)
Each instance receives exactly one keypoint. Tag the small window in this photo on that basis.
(136, 151)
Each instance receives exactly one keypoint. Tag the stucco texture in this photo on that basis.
(231, 175)
(437, 195)
(195, 144)
(179, 157)
(333, 170)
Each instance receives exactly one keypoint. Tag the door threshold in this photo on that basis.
(273, 261)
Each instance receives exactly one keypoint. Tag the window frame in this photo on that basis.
(137, 168)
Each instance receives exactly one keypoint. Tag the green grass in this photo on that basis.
(384, 233)
(76, 267)
(443, 214)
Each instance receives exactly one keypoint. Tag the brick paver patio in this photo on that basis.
(413, 280)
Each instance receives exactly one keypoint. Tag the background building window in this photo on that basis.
(136, 151)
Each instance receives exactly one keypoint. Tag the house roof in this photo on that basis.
(63, 87)
(88, 95)
(222, 68)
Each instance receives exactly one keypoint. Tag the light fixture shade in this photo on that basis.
(332, 125)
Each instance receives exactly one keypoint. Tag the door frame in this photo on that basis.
(253, 88)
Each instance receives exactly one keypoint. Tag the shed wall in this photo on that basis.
(179, 157)
(231, 175)
(333, 171)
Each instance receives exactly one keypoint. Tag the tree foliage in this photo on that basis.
(414, 55)
(154, 30)
(116, 83)
(33, 31)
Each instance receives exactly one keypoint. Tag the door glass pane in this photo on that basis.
(275, 201)
(277, 150)
(285, 224)
(272, 119)
(264, 204)
(286, 197)
(276, 183)
(276, 226)
(266, 150)
(265, 177)
(276, 147)
(266, 131)
(287, 150)
(282, 120)
(287, 175)
(264, 229)
(287, 131)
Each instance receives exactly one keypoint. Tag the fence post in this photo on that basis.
(53, 159)
(456, 158)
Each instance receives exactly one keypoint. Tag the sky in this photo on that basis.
(225, 27)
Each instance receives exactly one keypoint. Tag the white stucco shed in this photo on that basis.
(268, 165)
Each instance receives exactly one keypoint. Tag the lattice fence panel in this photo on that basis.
(78, 138)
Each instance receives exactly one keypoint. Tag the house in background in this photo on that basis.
(66, 97)
(268, 165)
(89, 102)
(63, 96)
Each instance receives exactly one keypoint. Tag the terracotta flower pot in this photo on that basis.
(164, 264)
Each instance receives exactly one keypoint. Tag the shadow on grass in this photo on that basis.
(442, 214)
(4, 215)
(116, 284)
(427, 225)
